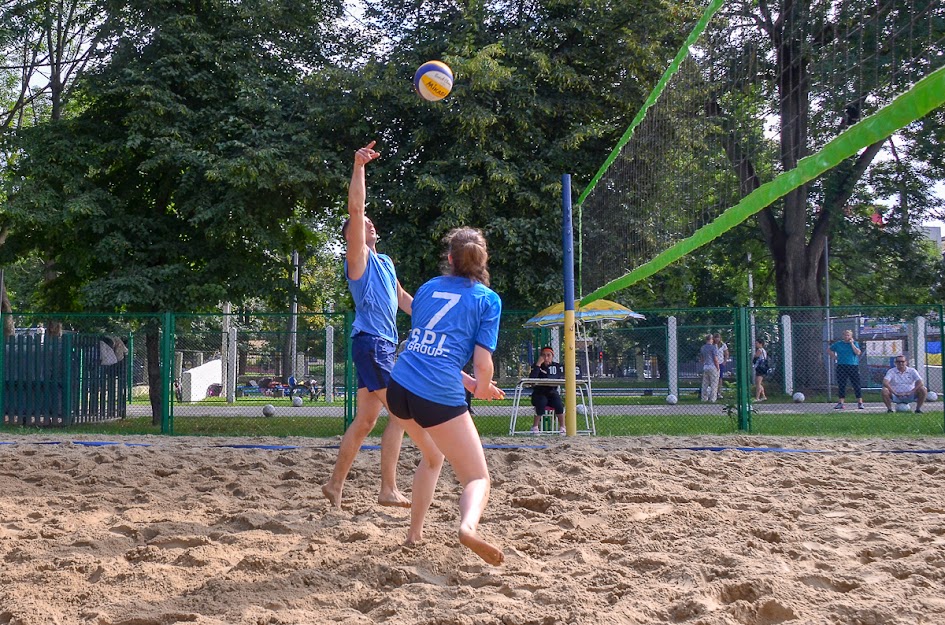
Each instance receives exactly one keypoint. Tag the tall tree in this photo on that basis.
(44, 48)
(542, 88)
(177, 184)
(815, 97)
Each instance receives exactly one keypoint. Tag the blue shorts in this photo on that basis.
(373, 360)
(905, 398)
(406, 405)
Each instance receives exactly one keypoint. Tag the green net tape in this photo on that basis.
(924, 97)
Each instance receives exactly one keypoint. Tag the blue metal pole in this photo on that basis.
(570, 383)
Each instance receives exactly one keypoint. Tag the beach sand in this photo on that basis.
(609, 531)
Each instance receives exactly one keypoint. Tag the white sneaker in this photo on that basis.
(535, 429)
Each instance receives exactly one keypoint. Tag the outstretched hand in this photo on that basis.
(366, 154)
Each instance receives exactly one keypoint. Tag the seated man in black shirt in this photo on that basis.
(545, 396)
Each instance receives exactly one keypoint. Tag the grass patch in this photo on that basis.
(631, 422)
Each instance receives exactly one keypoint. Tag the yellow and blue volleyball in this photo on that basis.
(433, 80)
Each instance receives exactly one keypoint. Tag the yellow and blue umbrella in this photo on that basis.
(598, 310)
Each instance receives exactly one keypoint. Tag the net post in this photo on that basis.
(941, 339)
(167, 373)
(742, 369)
(570, 382)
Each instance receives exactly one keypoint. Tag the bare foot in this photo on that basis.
(333, 495)
(488, 552)
(394, 499)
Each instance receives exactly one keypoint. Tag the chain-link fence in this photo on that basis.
(279, 375)
(648, 376)
(262, 374)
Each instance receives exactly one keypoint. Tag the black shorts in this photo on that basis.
(541, 401)
(406, 405)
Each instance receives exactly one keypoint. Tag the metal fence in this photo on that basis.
(278, 375)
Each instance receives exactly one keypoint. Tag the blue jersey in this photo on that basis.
(844, 352)
(450, 317)
(375, 297)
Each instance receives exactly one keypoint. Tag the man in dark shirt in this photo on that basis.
(547, 396)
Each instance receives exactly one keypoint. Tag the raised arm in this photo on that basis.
(357, 250)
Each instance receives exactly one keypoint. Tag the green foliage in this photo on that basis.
(541, 89)
(176, 185)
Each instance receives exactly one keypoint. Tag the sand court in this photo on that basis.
(158, 530)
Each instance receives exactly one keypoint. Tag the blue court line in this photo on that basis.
(910, 451)
(105, 443)
(372, 447)
(503, 446)
(260, 446)
(765, 449)
(83, 443)
(277, 447)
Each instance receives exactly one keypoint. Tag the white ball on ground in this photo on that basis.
(903, 408)
(932, 396)
(269, 410)
(671, 399)
(798, 397)
(297, 401)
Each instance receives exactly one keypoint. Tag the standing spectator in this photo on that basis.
(723, 358)
(847, 352)
(903, 385)
(377, 295)
(761, 368)
(709, 358)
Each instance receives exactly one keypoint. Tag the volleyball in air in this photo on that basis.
(433, 80)
(798, 397)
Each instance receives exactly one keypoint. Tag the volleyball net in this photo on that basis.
(763, 98)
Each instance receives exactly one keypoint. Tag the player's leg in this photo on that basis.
(369, 407)
(391, 442)
(424, 479)
(459, 441)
